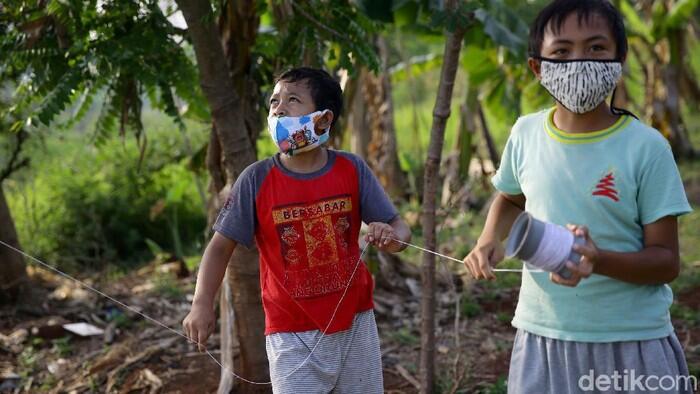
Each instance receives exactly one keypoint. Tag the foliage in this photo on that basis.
(332, 33)
(87, 207)
(68, 53)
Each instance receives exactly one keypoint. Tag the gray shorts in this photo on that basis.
(545, 365)
(344, 362)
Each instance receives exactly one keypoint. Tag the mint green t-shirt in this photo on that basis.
(614, 181)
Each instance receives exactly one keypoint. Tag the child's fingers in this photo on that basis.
(468, 262)
(370, 233)
(574, 268)
(387, 235)
(192, 335)
(582, 231)
(582, 270)
(380, 235)
(558, 279)
(585, 250)
(483, 267)
(202, 340)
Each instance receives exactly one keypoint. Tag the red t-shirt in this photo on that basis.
(306, 227)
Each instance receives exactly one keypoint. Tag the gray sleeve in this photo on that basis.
(237, 219)
(375, 205)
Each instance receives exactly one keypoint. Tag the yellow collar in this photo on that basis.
(582, 138)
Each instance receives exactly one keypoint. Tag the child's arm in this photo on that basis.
(488, 250)
(199, 323)
(383, 235)
(658, 262)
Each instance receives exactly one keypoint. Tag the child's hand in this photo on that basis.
(481, 260)
(380, 235)
(589, 256)
(199, 325)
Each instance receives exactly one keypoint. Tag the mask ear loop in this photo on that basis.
(619, 111)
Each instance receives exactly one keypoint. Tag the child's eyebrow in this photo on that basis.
(596, 37)
(562, 41)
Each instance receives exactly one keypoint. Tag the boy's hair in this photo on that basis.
(554, 15)
(325, 91)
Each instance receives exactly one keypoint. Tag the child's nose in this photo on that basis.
(578, 53)
(280, 110)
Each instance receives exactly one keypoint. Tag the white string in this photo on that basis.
(357, 264)
(457, 260)
(554, 248)
(157, 322)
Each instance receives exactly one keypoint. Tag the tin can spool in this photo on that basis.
(545, 245)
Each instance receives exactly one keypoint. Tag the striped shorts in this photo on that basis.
(344, 362)
(550, 366)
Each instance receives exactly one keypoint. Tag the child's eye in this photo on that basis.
(596, 48)
(560, 52)
(273, 101)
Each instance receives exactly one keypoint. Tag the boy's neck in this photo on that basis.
(599, 119)
(306, 162)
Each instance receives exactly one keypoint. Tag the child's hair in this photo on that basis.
(554, 15)
(325, 91)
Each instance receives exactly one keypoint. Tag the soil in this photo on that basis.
(472, 349)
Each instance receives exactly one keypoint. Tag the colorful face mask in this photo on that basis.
(580, 85)
(296, 134)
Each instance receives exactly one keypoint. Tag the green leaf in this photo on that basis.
(416, 66)
(479, 63)
(634, 22)
(658, 20)
(679, 14)
(504, 27)
(380, 10)
(405, 13)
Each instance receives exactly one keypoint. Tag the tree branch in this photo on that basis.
(318, 24)
(15, 162)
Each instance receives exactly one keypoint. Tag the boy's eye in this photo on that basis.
(560, 51)
(596, 48)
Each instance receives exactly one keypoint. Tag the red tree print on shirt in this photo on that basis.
(606, 187)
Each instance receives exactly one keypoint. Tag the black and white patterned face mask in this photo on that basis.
(580, 85)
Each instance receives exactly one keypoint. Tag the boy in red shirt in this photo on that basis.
(303, 207)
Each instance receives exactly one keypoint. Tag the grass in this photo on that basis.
(405, 337)
(470, 307)
(689, 233)
(62, 347)
(167, 286)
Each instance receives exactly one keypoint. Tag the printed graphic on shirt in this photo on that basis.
(606, 187)
(314, 240)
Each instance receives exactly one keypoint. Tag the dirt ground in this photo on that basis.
(474, 338)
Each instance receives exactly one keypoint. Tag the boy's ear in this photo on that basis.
(323, 122)
(534, 65)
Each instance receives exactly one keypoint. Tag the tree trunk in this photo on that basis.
(457, 173)
(672, 73)
(13, 273)
(488, 139)
(382, 156)
(453, 45)
(350, 87)
(234, 122)
(358, 121)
